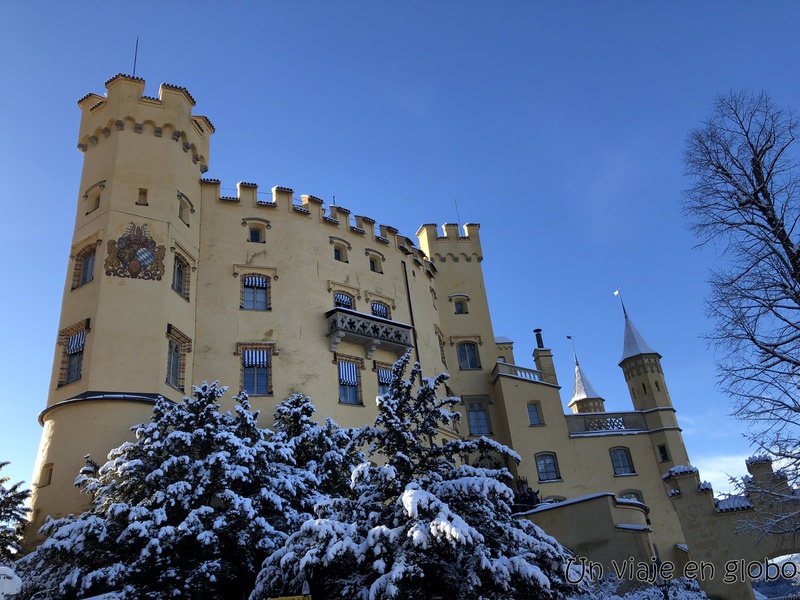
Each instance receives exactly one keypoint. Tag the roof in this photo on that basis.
(634, 343)
(583, 388)
(732, 503)
(501, 339)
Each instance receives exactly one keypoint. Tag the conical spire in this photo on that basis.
(633, 344)
(583, 388)
(584, 397)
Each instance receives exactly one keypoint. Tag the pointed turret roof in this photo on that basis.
(634, 343)
(583, 388)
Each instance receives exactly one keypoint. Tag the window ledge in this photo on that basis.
(253, 395)
(537, 424)
(470, 369)
(550, 480)
(351, 403)
(257, 310)
(626, 474)
(62, 384)
(77, 287)
(175, 387)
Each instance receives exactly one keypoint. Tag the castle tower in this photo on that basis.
(647, 386)
(584, 397)
(128, 313)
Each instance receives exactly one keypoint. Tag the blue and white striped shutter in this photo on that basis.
(384, 376)
(76, 342)
(380, 310)
(255, 281)
(255, 358)
(343, 300)
(348, 373)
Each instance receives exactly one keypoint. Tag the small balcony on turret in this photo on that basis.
(370, 331)
(606, 423)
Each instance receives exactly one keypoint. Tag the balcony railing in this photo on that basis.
(345, 325)
(591, 423)
(502, 368)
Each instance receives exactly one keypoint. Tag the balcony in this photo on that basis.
(598, 423)
(345, 325)
(509, 370)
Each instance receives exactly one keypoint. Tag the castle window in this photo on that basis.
(184, 208)
(468, 356)
(384, 377)
(173, 363)
(73, 340)
(374, 264)
(178, 346)
(621, 461)
(180, 277)
(631, 495)
(255, 372)
(658, 387)
(349, 381)
(45, 475)
(547, 467)
(478, 416)
(142, 199)
(255, 292)
(534, 414)
(442, 356)
(662, 453)
(379, 309)
(460, 307)
(342, 300)
(83, 271)
(92, 196)
(340, 252)
(255, 235)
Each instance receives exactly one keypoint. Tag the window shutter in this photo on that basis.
(255, 358)
(348, 373)
(255, 281)
(384, 376)
(76, 342)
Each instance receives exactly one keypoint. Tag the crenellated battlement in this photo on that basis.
(125, 108)
(451, 245)
(350, 227)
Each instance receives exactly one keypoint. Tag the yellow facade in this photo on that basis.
(172, 283)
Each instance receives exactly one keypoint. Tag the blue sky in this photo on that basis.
(557, 126)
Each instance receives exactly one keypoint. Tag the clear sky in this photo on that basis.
(558, 126)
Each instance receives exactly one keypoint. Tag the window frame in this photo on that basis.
(385, 306)
(465, 359)
(622, 461)
(180, 266)
(539, 419)
(477, 407)
(349, 393)
(73, 342)
(83, 273)
(341, 293)
(639, 497)
(249, 287)
(177, 340)
(549, 468)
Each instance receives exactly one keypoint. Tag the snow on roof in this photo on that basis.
(501, 339)
(634, 343)
(732, 503)
(682, 548)
(629, 527)
(583, 389)
(758, 459)
(542, 507)
(704, 486)
(679, 470)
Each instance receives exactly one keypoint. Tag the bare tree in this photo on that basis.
(745, 200)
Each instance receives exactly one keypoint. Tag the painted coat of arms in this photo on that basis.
(135, 254)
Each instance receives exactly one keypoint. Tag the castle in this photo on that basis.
(171, 283)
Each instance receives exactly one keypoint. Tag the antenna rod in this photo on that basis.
(458, 217)
(135, 55)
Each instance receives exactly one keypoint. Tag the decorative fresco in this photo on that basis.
(135, 254)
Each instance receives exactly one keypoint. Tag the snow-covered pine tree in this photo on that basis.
(424, 525)
(325, 450)
(12, 516)
(188, 510)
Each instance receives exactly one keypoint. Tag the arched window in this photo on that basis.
(255, 292)
(460, 307)
(180, 276)
(343, 300)
(379, 309)
(468, 356)
(83, 270)
(621, 461)
(547, 466)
